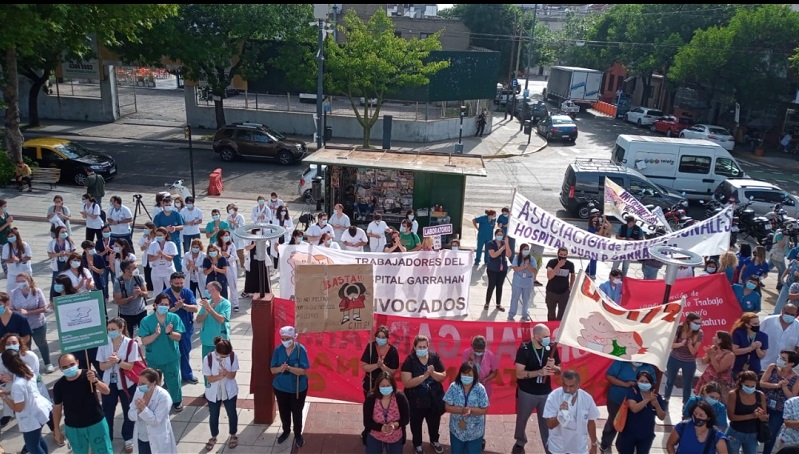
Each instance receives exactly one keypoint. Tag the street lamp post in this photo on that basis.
(459, 145)
(674, 258)
(320, 82)
(530, 54)
(187, 134)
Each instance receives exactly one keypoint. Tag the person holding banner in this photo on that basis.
(524, 270)
(422, 374)
(498, 252)
(119, 355)
(485, 227)
(467, 402)
(560, 275)
(630, 231)
(719, 359)
(748, 344)
(622, 376)
(502, 222)
(160, 332)
(644, 406)
(379, 357)
(599, 224)
(571, 416)
(698, 434)
(386, 412)
(686, 345)
(290, 366)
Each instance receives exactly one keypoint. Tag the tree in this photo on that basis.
(374, 62)
(216, 42)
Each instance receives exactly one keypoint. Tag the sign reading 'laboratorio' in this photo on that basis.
(411, 284)
(530, 222)
(81, 321)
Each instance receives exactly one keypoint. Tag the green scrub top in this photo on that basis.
(164, 350)
(211, 328)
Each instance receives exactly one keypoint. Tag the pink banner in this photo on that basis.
(336, 373)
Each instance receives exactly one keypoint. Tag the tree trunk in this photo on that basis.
(367, 133)
(219, 111)
(14, 136)
(33, 97)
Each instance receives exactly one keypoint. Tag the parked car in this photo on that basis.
(71, 157)
(239, 140)
(762, 194)
(643, 116)
(557, 127)
(712, 133)
(671, 125)
(304, 188)
(532, 110)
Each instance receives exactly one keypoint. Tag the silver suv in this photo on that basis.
(762, 194)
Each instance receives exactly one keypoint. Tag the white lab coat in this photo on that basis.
(153, 423)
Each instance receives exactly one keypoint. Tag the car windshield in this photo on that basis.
(276, 136)
(720, 131)
(73, 150)
(561, 121)
(655, 113)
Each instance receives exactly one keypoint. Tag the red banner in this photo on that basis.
(335, 358)
(709, 296)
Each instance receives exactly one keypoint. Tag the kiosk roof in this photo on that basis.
(388, 159)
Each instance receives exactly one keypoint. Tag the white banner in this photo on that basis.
(620, 203)
(594, 323)
(410, 284)
(529, 222)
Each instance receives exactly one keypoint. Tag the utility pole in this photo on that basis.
(319, 83)
(530, 54)
(510, 55)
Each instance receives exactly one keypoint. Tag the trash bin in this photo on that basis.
(528, 127)
(328, 133)
(459, 148)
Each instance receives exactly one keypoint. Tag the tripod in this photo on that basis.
(138, 209)
(307, 216)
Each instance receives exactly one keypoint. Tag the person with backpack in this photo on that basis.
(91, 212)
(214, 314)
(697, 434)
(118, 360)
(219, 369)
(95, 186)
(130, 296)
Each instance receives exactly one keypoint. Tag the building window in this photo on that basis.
(619, 82)
(424, 35)
(610, 81)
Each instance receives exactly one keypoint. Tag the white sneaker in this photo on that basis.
(49, 369)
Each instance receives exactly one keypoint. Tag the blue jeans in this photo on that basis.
(742, 440)
(232, 416)
(591, 269)
(782, 299)
(375, 446)
(625, 266)
(516, 293)
(35, 442)
(688, 371)
(650, 272)
(184, 345)
(481, 243)
(780, 266)
(465, 447)
(775, 421)
(144, 447)
(629, 444)
(110, 407)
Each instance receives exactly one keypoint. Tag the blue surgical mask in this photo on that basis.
(386, 390)
(117, 249)
(381, 341)
(525, 252)
(189, 205)
(70, 371)
(12, 239)
(2, 310)
(207, 293)
(454, 248)
(13, 347)
(748, 389)
(195, 250)
(711, 269)
(261, 201)
(74, 263)
(711, 401)
(645, 387)
(695, 326)
(212, 254)
(787, 318)
(226, 239)
(498, 237)
(780, 362)
(467, 379)
(92, 251)
(64, 235)
(58, 288)
(168, 208)
(215, 217)
(159, 239)
(162, 309)
(751, 285)
(545, 341)
(113, 334)
(106, 234)
(323, 222)
(421, 352)
(410, 217)
(143, 388)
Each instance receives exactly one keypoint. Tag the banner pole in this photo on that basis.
(88, 368)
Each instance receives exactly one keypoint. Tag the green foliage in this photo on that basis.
(7, 168)
(374, 62)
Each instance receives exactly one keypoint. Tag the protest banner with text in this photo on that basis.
(412, 284)
(529, 222)
(709, 296)
(335, 357)
(334, 298)
(80, 319)
(620, 203)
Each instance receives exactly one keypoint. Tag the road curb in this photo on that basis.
(512, 155)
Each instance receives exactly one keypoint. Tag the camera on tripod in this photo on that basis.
(137, 196)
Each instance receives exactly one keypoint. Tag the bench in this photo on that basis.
(45, 175)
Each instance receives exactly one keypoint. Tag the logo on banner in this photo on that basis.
(620, 203)
(597, 325)
(334, 298)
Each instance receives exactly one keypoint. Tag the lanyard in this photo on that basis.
(540, 359)
(385, 410)
(466, 396)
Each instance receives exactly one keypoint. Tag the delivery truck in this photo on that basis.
(581, 85)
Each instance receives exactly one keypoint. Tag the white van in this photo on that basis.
(693, 166)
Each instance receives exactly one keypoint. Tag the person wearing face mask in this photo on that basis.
(697, 434)
(160, 332)
(379, 357)
(160, 254)
(227, 249)
(105, 249)
(289, 365)
(193, 262)
(171, 220)
(467, 402)
(282, 219)
(711, 267)
(22, 396)
(788, 291)
(234, 221)
(612, 287)
(571, 415)
(779, 383)
(502, 223)
(376, 231)
(622, 376)
(644, 406)
(560, 275)
(414, 224)
(630, 231)
(59, 215)
(219, 369)
(58, 251)
(747, 407)
(150, 410)
(485, 230)
(748, 344)
(339, 221)
(119, 218)
(147, 238)
(485, 360)
(719, 359)
(747, 295)
(120, 354)
(261, 213)
(193, 219)
(5, 227)
(79, 276)
(395, 245)
(11, 342)
(326, 240)
(498, 251)
(728, 263)
(122, 251)
(216, 225)
(354, 239)
(408, 238)
(758, 266)
(214, 314)
(75, 399)
(711, 393)
(91, 212)
(130, 296)
(684, 349)
(183, 303)
(454, 245)
(314, 232)
(422, 374)
(95, 263)
(28, 301)
(536, 362)
(17, 255)
(782, 331)
(524, 270)
(215, 268)
(386, 413)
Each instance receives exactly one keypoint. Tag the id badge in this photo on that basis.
(462, 424)
(113, 377)
(772, 404)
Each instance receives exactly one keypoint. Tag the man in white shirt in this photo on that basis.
(783, 333)
(261, 214)
(274, 203)
(376, 231)
(119, 218)
(354, 239)
(571, 415)
(192, 219)
(340, 222)
(316, 231)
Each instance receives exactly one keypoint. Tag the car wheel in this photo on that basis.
(583, 211)
(682, 135)
(669, 133)
(285, 157)
(227, 154)
(639, 122)
(549, 136)
(79, 179)
(652, 128)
